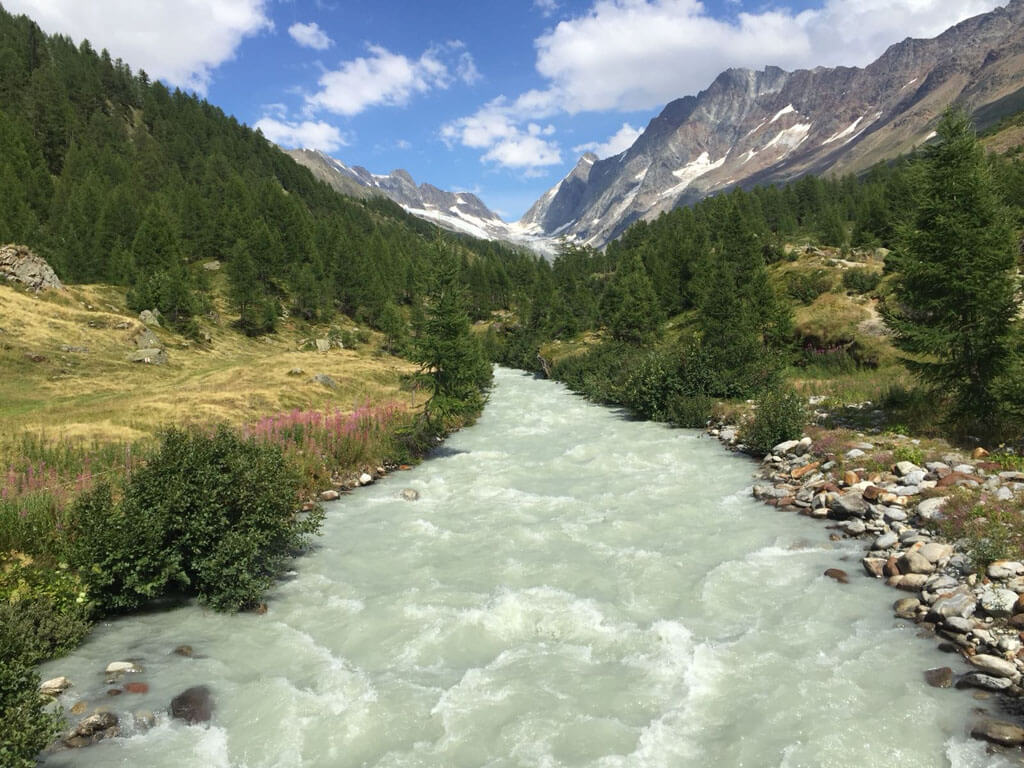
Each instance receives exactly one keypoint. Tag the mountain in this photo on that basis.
(754, 127)
(461, 212)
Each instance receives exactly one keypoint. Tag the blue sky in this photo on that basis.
(498, 97)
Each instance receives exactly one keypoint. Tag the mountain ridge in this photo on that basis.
(462, 212)
(771, 125)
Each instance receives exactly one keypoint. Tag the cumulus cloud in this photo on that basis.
(310, 36)
(309, 134)
(639, 54)
(496, 128)
(627, 55)
(621, 141)
(180, 41)
(390, 79)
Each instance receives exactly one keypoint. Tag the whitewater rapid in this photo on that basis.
(571, 588)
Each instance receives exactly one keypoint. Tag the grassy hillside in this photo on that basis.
(64, 354)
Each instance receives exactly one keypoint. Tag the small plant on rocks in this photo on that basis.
(781, 415)
(990, 528)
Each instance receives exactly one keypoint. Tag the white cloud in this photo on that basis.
(546, 7)
(621, 141)
(382, 78)
(403, 144)
(180, 41)
(496, 128)
(625, 55)
(310, 36)
(466, 69)
(640, 54)
(313, 135)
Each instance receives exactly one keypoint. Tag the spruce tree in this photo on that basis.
(953, 299)
(450, 356)
(634, 314)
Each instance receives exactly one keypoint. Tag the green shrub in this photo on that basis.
(805, 287)
(26, 727)
(652, 385)
(691, 411)
(990, 529)
(861, 280)
(780, 415)
(911, 453)
(213, 515)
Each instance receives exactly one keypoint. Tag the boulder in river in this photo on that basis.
(95, 727)
(55, 687)
(999, 732)
(410, 494)
(193, 705)
(939, 677)
(838, 574)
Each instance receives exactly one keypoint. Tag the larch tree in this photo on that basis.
(953, 300)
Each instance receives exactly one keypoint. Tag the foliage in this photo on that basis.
(319, 443)
(990, 528)
(911, 453)
(953, 297)
(450, 356)
(26, 727)
(860, 280)
(211, 514)
(805, 287)
(780, 415)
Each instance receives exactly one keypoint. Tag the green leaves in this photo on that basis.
(212, 514)
(953, 298)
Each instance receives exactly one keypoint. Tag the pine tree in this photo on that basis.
(634, 314)
(953, 298)
(450, 356)
(743, 324)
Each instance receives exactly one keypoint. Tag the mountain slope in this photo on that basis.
(461, 212)
(752, 127)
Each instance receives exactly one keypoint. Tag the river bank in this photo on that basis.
(973, 609)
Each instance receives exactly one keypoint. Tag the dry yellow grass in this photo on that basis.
(49, 387)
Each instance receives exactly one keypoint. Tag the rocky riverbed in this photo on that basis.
(976, 616)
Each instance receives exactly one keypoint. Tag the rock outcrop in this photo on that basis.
(19, 265)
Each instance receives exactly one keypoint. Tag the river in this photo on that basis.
(572, 588)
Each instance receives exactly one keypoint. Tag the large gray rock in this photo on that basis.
(325, 380)
(915, 562)
(999, 732)
(193, 705)
(936, 552)
(960, 603)
(1004, 569)
(885, 541)
(54, 687)
(146, 339)
(983, 681)
(323, 345)
(849, 505)
(150, 317)
(997, 602)
(19, 265)
(95, 727)
(152, 356)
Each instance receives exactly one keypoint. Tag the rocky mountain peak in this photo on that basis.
(770, 125)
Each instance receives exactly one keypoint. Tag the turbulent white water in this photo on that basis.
(571, 589)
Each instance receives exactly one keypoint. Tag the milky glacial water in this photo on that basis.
(572, 588)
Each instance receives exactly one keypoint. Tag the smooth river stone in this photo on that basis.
(994, 665)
